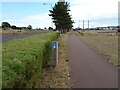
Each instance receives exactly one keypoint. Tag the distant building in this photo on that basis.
(112, 27)
(108, 28)
(102, 28)
(23, 28)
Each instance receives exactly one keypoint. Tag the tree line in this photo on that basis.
(61, 16)
(6, 25)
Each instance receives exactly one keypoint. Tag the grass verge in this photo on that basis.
(0, 66)
(23, 60)
(59, 76)
(104, 44)
(9, 32)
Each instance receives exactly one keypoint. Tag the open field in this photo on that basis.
(58, 77)
(8, 32)
(101, 32)
(0, 65)
(103, 43)
(23, 59)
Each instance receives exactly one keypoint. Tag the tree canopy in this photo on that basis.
(61, 17)
(29, 27)
(50, 28)
(13, 27)
(6, 25)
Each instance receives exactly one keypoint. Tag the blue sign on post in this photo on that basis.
(53, 45)
(54, 59)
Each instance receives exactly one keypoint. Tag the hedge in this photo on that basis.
(23, 59)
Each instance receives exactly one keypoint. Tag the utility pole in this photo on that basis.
(79, 24)
(88, 24)
(83, 24)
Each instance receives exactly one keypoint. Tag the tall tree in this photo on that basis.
(5, 25)
(61, 17)
(13, 27)
(50, 28)
(29, 27)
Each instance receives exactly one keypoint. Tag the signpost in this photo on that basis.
(54, 54)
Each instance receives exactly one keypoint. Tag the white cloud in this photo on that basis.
(99, 12)
(29, 0)
(8, 20)
(94, 9)
(37, 21)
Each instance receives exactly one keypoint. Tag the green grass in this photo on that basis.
(9, 32)
(23, 60)
(0, 66)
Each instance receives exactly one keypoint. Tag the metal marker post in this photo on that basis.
(54, 54)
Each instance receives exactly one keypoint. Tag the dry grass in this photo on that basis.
(105, 44)
(0, 31)
(58, 77)
(8, 32)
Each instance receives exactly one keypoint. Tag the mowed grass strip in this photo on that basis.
(105, 44)
(24, 58)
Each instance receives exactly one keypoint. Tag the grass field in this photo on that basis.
(23, 59)
(0, 66)
(8, 32)
(103, 43)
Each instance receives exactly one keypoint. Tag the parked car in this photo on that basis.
(118, 29)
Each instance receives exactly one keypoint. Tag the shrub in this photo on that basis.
(24, 58)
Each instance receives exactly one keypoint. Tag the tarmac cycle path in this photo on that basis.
(87, 68)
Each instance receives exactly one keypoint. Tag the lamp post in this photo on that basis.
(51, 18)
(47, 4)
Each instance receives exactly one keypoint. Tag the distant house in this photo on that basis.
(102, 28)
(108, 28)
(113, 27)
(23, 28)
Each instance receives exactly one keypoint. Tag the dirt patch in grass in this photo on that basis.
(105, 44)
(59, 76)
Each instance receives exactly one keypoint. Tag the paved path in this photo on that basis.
(11, 37)
(88, 69)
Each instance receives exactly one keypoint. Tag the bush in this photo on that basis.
(24, 58)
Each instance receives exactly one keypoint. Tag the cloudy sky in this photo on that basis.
(35, 13)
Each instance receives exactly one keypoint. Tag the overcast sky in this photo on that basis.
(33, 12)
